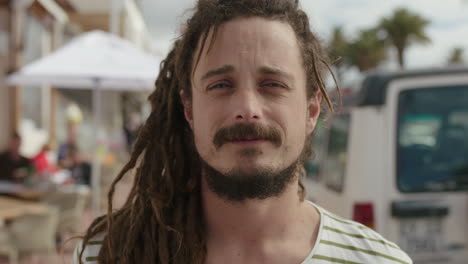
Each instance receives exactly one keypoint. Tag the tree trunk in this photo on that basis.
(401, 56)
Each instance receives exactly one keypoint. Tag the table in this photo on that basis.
(11, 208)
(20, 191)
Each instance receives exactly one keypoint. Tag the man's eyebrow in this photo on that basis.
(221, 70)
(275, 71)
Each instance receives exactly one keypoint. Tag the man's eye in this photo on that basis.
(219, 86)
(273, 84)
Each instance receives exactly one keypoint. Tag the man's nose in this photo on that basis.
(247, 105)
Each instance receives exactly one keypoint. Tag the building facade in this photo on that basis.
(31, 29)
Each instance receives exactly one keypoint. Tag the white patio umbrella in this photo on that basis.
(98, 61)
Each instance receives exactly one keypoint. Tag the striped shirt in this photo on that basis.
(344, 241)
(338, 241)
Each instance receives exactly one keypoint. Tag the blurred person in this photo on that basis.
(70, 142)
(13, 166)
(131, 129)
(42, 162)
(218, 163)
(70, 158)
(80, 169)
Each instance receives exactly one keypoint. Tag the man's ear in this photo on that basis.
(187, 102)
(313, 111)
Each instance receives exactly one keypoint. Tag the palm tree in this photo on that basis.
(337, 51)
(456, 56)
(367, 51)
(404, 28)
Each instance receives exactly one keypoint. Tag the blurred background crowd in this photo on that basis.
(50, 143)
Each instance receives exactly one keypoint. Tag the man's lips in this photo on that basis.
(247, 141)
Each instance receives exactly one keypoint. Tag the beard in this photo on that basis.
(237, 185)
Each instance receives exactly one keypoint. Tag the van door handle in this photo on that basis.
(418, 209)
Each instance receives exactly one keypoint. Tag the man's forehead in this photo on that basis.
(240, 31)
(272, 42)
(263, 69)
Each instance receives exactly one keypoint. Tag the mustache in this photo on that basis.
(241, 131)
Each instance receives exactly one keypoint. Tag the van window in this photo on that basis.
(337, 152)
(432, 149)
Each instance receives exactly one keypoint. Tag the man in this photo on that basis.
(63, 157)
(70, 158)
(13, 166)
(219, 159)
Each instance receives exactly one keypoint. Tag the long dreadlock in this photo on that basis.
(161, 220)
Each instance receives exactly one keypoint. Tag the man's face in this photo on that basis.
(249, 112)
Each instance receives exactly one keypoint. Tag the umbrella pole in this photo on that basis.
(96, 170)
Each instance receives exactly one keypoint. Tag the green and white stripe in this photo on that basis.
(348, 242)
(91, 251)
(339, 241)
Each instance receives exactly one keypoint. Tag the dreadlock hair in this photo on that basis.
(161, 220)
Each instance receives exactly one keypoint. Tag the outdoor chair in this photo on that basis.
(71, 206)
(6, 246)
(35, 233)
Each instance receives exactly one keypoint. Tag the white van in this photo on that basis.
(397, 160)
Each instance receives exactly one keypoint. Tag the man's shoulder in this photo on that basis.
(91, 250)
(347, 240)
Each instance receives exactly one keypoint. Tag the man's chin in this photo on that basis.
(245, 181)
(246, 172)
(245, 167)
(250, 157)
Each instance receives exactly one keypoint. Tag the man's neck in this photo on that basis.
(260, 225)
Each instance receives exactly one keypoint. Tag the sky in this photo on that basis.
(448, 26)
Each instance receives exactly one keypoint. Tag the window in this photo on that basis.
(432, 143)
(337, 152)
